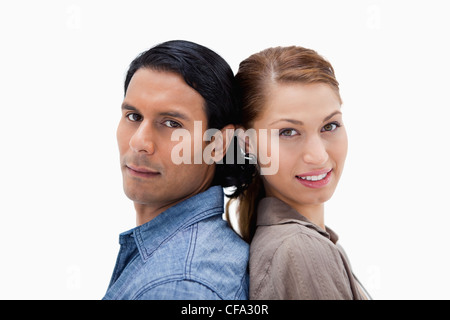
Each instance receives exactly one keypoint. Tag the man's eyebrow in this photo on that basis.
(126, 106)
(174, 114)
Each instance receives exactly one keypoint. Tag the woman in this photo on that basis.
(293, 92)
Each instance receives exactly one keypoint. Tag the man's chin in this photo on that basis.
(138, 197)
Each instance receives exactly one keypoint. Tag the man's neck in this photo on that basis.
(148, 211)
(145, 213)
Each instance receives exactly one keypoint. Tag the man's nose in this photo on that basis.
(142, 140)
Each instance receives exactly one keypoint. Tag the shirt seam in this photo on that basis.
(241, 287)
(123, 288)
(115, 275)
(191, 249)
(169, 279)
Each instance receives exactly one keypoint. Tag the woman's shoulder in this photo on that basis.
(289, 237)
(287, 260)
(287, 232)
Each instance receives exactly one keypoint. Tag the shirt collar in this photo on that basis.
(151, 235)
(273, 211)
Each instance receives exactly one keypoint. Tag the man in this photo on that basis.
(181, 247)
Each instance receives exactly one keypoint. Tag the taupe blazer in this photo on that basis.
(292, 258)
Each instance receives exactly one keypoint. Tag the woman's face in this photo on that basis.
(312, 142)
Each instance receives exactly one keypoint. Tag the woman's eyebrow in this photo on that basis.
(331, 116)
(296, 122)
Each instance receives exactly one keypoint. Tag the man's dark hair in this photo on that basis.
(211, 76)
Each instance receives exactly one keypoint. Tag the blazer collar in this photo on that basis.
(273, 211)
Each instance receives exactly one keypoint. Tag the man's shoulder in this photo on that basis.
(206, 237)
(218, 258)
(206, 253)
(216, 241)
(217, 230)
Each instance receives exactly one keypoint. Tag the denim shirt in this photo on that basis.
(186, 252)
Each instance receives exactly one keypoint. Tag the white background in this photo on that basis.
(62, 66)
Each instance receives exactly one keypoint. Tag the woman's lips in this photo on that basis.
(315, 179)
(141, 172)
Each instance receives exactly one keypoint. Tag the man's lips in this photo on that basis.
(141, 171)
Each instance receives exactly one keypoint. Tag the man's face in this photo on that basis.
(156, 104)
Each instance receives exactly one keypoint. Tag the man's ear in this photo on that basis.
(221, 141)
(246, 140)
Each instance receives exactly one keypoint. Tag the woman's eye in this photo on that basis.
(171, 124)
(331, 126)
(288, 132)
(134, 117)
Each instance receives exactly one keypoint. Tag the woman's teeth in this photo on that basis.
(314, 178)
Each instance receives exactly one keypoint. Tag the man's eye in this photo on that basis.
(134, 117)
(172, 124)
(288, 132)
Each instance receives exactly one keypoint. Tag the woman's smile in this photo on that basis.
(316, 179)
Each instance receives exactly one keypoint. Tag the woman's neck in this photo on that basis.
(314, 213)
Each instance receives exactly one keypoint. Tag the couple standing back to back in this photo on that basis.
(182, 248)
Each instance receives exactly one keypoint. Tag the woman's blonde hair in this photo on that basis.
(272, 66)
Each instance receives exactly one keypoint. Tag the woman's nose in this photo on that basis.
(315, 152)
